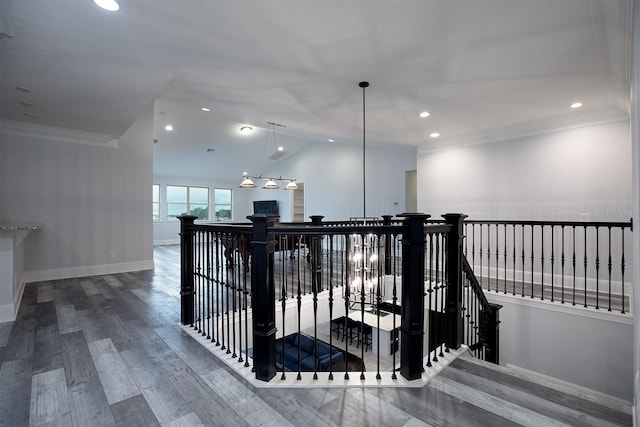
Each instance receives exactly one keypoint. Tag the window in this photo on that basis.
(222, 202)
(156, 202)
(187, 200)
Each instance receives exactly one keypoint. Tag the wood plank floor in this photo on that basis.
(107, 350)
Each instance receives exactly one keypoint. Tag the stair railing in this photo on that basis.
(482, 321)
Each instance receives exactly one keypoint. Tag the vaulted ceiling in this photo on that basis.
(484, 69)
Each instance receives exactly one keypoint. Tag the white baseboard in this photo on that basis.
(7, 313)
(88, 270)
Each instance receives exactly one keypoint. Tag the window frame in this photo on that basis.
(188, 202)
(154, 203)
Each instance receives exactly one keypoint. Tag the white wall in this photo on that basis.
(635, 138)
(94, 202)
(556, 176)
(584, 347)
(332, 174)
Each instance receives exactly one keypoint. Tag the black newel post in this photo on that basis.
(491, 324)
(386, 220)
(187, 293)
(453, 313)
(316, 254)
(263, 298)
(412, 326)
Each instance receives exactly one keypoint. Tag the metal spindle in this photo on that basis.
(532, 256)
(585, 266)
(573, 262)
(522, 259)
(562, 262)
(622, 270)
(552, 263)
(610, 266)
(542, 262)
(597, 268)
(513, 256)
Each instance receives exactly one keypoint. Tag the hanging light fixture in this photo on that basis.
(247, 182)
(270, 182)
(291, 185)
(367, 248)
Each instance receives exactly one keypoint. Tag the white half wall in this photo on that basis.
(581, 346)
(94, 202)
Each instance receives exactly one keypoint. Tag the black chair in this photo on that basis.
(364, 332)
(353, 328)
(337, 326)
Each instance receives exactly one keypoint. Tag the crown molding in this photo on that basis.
(33, 130)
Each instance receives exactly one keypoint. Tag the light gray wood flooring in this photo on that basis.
(107, 350)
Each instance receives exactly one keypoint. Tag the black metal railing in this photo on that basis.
(578, 263)
(331, 295)
(482, 321)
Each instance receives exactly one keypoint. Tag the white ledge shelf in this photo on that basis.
(20, 226)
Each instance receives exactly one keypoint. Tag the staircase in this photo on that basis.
(527, 398)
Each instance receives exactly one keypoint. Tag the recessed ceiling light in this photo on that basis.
(576, 105)
(281, 148)
(434, 134)
(205, 109)
(424, 114)
(246, 130)
(168, 128)
(23, 89)
(331, 140)
(110, 5)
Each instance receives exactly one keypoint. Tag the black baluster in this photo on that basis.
(347, 295)
(505, 259)
(585, 265)
(438, 316)
(497, 258)
(513, 256)
(331, 301)
(489, 257)
(532, 257)
(542, 262)
(209, 284)
(573, 262)
(622, 268)
(562, 262)
(394, 333)
(522, 259)
(609, 267)
(552, 263)
(219, 255)
(430, 294)
(481, 253)
(597, 267)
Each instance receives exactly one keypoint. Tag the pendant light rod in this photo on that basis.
(364, 85)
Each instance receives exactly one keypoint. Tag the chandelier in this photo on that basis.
(270, 182)
(365, 285)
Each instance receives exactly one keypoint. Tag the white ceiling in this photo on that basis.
(485, 69)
